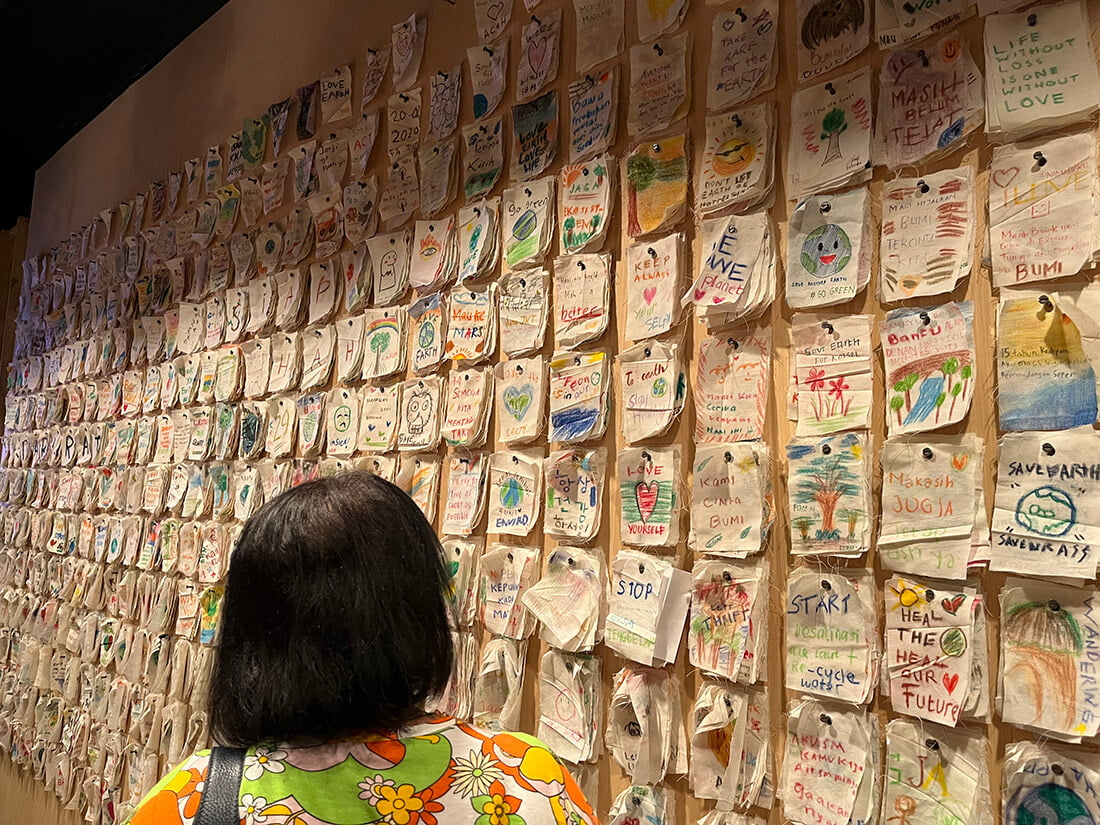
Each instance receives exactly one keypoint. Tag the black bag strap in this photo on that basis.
(218, 805)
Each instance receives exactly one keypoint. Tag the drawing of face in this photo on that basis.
(341, 419)
(389, 270)
(734, 156)
(417, 411)
(403, 40)
(829, 19)
(826, 250)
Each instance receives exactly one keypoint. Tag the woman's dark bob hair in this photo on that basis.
(335, 616)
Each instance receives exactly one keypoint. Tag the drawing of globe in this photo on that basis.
(427, 334)
(660, 388)
(511, 493)
(1047, 511)
(1048, 804)
(953, 642)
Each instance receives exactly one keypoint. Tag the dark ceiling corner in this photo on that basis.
(63, 65)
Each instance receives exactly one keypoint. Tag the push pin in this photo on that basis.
(728, 456)
(657, 48)
(740, 12)
(925, 319)
(1040, 161)
(923, 186)
(1047, 304)
(736, 120)
(929, 595)
(826, 719)
(652, 252)
(825, 208)
(825, 585)
(927, 453)
(826, 450)
(1056, 769)
(488, 51)
(732, 343)
(825, 325)
(923, 55)
(932, 744)
(1048, 449)
(830, 88)
(1033, 20)
(641, 569)
(535, 20)
(1054, 606)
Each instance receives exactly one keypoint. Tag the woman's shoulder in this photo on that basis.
(175, 799)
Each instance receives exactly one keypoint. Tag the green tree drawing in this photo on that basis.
(906, 385)
(949, 368)
(379, 343)
(832, 126)
(824, 481)
(939, 404)
(896, 403)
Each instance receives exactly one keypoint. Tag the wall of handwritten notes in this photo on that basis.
(745, 356)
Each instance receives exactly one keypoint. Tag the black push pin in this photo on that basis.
(925, 319)
(826, 450)
(923, 186)
(826, 719)
(1047, 304)
(825, 325)
(1054, 606)
(923, 55)
(657, 48)
(1048, 449)
(825, 585)
(1033, 20)
(927, 453)
(830, 88)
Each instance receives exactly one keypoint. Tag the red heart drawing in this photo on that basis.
(700, 294)
(649, 293)
(1004, 177)
(959, 461)
(646, 497)
(537, 52)
(717, 299)
(951, 681)
(953, 604)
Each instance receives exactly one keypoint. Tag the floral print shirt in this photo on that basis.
(439, 772)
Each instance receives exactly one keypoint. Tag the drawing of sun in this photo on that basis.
(733, 156)
(908, 595)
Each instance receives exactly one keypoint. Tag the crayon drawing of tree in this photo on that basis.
(824, 482)
(833, 126)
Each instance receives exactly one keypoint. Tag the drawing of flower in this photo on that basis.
(474, 774)
(837, 388)
(817, 379)
(251, 807)
(398, 805)
(264, 759)
(370, 788)
(497, 807)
